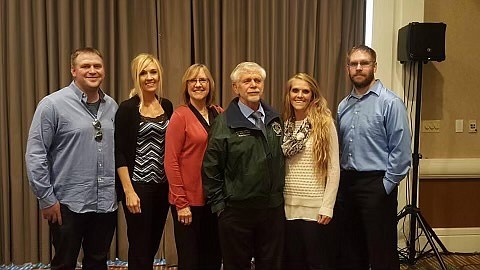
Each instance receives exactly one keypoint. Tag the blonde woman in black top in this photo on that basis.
(140, 126)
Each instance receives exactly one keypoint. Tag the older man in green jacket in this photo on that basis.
(244, 175)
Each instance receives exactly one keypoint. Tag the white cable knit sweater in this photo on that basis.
(306, 195)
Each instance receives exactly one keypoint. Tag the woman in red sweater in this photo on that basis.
(195, 225)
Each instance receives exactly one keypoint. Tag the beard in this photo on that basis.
(366, 80)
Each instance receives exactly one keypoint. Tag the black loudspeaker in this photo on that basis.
(421, 42)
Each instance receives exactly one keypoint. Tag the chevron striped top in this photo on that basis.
(150, 151)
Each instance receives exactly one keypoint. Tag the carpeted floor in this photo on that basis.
(452, 261)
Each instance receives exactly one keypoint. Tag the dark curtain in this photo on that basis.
(38, 36)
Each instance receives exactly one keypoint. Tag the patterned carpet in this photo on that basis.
(452, 261)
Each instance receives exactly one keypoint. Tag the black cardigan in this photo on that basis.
(127, 123)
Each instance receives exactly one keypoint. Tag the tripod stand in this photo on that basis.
(412, 209)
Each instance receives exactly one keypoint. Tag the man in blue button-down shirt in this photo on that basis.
(375, 155)
(71, 166)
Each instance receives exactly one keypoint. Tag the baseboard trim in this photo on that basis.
(449, 168)
(464, 240)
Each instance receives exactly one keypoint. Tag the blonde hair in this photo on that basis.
(139, 64)
(319, 117)
(191, 73)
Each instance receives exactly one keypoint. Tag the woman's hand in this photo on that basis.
(185, 215)
(133, 202)
(324, 220)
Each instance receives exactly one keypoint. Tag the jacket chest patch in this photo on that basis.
(277, 128)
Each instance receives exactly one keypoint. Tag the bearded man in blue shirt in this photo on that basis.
(71, 165)
(375, 155)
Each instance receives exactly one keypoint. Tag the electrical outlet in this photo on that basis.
(472, 126)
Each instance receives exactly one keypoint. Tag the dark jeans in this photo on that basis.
(197, 244)
(92, 231)
(246, 233)
(368, 218)
(144, 230)
(309, 245)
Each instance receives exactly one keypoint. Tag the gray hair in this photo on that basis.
(246, 67)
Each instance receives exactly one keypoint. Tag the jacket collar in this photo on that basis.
(236, 119)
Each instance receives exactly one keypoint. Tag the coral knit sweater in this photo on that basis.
(185, 144)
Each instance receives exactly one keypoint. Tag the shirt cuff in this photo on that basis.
(389, 185)
(324, 211)
(48, 201)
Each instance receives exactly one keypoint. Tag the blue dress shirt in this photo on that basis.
(374, 134)
(247, 111)
(64, 161)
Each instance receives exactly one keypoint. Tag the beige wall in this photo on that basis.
(450, 88)
(450, 92)
(450, 167)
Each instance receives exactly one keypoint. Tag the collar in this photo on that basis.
(375, 88)
(235, 117)
(82, 96)
(247, 111)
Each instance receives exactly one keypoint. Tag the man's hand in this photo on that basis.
(53, 214)
(185, 216)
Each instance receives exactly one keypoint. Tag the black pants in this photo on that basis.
(247, 233)
(92, 231)
(197, 244)
(309, 245)
(144, 230)
(368, 219)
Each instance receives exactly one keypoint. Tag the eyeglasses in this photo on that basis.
(363, 64)
(98, 130)
(202, 81)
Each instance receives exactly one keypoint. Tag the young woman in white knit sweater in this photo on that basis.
(312, 177)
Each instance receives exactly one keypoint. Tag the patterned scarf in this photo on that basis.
(294, 141)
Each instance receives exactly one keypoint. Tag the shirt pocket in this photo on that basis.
(374, 125)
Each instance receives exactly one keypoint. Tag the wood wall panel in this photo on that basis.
(450, 203)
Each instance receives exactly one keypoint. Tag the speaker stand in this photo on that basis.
(413, 210)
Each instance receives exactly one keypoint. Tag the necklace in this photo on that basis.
(152, 110)
(204, 112)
